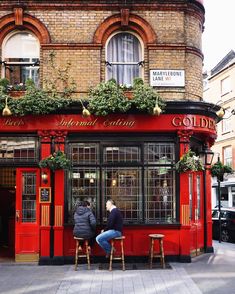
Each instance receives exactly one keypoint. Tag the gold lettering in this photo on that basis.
(119, 123)
(13, 122)
(176, 121)
(194, 121)
(77, 123)
(187, 122)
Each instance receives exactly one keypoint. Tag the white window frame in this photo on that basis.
(226, 125)
(116, 63)
(225, 85)
(228, 155)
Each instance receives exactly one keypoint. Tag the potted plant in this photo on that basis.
(56, 161)
(189, 162)
(219, 169)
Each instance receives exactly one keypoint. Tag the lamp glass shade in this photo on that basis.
(206, 156)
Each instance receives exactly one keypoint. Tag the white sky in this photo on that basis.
(218, 37)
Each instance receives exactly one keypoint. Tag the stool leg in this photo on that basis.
(151, 252)
(111, 256)
(162, 254)
(123, 260)
(87, 255)
(76, 255)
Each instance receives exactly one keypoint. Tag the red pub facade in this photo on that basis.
(128, 157)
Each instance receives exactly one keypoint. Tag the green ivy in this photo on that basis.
(107, 98)
(110, 97)
(37, 101)
(56, 161)
(145, 98)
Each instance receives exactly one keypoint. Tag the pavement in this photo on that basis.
(207, 273)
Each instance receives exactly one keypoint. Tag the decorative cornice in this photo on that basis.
(185, 136)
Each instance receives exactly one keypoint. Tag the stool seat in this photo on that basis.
(156, 236)
(79, 248)
(112, 257)
(152, 254)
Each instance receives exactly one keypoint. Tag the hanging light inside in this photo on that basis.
(157, 110)
(6, 110)
(85, 111)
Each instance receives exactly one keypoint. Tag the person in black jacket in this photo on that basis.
(85, 222)
(113, 228)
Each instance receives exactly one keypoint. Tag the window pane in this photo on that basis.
(17, 74)
(122, 154)
(123, 185)
(123, 53)
(83, 187)
(27, 46)
(225, 86)
(159, 153)
(18, 149)
(198, 197)
(84, 153)
(160, 196)
(17, 70)
(228, 155)
(123, 73)
(29, 197)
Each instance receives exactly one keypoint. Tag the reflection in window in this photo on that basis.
(123, 185)
(160, 195)
(23, 63)
(83, 185)
(139, 178)
(18, 149)
(122, 154)
(84, 153)
(123, 58)
(160, 153)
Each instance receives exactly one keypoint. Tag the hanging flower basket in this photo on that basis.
(219, 169)
(56, 161)
(189, 162)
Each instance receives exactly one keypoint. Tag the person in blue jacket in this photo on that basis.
(84, 222)
(113, 228)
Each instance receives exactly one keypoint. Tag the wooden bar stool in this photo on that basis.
(112, 254)
(152, 254)
(79, 241)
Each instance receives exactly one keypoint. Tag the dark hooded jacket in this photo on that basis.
(85, 223)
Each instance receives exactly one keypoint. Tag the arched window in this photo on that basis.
(20, 60)
(124, 58)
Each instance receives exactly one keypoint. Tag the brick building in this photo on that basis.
(130, 157)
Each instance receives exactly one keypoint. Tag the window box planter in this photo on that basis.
(16, 94)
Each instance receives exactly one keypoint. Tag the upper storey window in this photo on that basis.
(225, 86)
(20, 58)
(124, 58)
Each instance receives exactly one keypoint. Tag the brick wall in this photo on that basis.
(178, 45)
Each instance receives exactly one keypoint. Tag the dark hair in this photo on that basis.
(84, 203)
(111, 201)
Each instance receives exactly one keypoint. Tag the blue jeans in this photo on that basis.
(103, 238)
